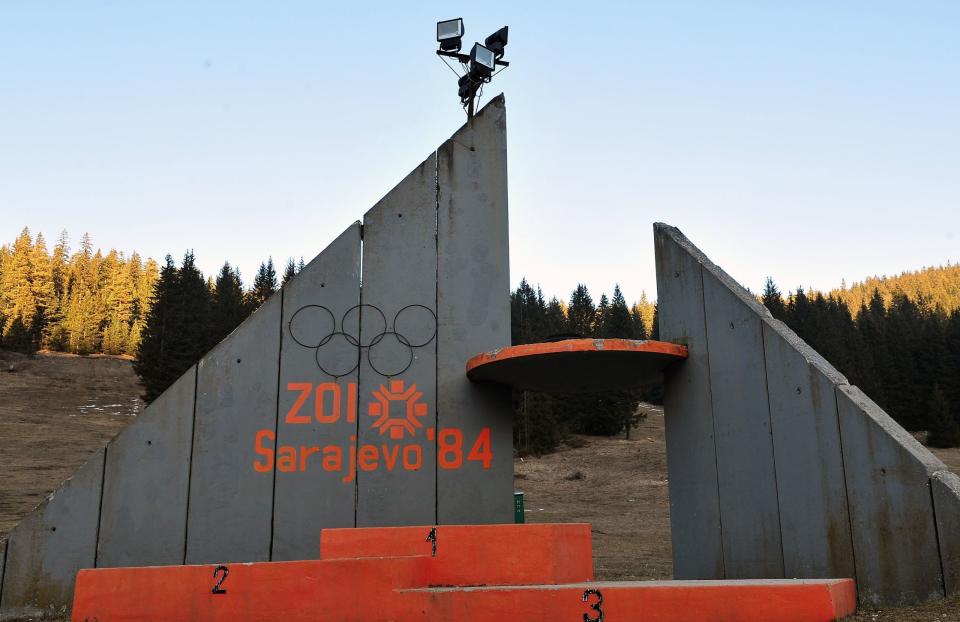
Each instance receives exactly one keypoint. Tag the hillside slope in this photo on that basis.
(55, 411)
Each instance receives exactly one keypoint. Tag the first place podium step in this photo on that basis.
(465, 572)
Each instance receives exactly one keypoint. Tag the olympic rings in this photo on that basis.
(416, 315)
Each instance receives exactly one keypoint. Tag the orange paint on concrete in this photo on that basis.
(380, 589)
(348, 589)
(577, 345)
(478, 554)
(517, 572)
(641, 601)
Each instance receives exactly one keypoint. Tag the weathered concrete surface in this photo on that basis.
(3, 563)
(946, 505)
(852, 488)
(752, 547)
(312, 498)
(399, 275)
(473, 284)
(809, 464)
(143, 520)
(231, 503)
(199, 478)
(45, 551)
(691, 454)
(888, 487)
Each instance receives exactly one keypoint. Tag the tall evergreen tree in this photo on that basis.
(555, 321)
(619, 323)
(944, 429)
(528, 314)
(580, 312)
(19, 305)
(602, 317)
(176, 333)
(153, 360)
(772, 299)
(290, 271)
(55, 335)
(227, 307)
(264, 284)
(192, 314)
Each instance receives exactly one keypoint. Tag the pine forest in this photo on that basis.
(898, 338)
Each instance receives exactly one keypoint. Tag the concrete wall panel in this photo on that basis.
(45, 551)
(809, 463)
(691, 457)
(3, 563)
(230, 509)
(752, 546)
(473, 298)
(888, 486)
(308, 496)
(396, 459)
(146, 482)
(946, 504)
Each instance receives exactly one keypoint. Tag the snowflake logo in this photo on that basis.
(397, 426)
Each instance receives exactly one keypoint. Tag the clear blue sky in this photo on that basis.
(810, 141)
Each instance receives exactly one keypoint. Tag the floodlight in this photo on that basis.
(449, 34)
(481, 64)
(482, 61)
(465, 88)
(496, 42)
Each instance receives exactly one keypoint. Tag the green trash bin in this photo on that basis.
(518, 516)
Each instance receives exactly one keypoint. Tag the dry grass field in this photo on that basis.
(55, 411)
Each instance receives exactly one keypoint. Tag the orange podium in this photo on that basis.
(474, 573)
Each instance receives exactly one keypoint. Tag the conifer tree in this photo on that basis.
(527, 320)
(772, 299)
(580, 312)
(637, 323)
(944, 429)
(227, 307)
(602, 318)
(55, 335)
(264, 284)
(19, 303)
(81, 320)
(290, 271)
(144, 280)
(655, 329)
(41, 282)
(153, 360)
(619, 323)
(191, 315)
(4, 261)
(951, 372)
(555, 321)
(118, 303)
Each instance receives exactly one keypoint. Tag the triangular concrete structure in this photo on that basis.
(331, 406)
(779, 468)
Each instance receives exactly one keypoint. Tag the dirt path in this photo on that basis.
(55, 411)
(616, 485)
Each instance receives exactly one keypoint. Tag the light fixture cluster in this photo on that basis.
(480, 64)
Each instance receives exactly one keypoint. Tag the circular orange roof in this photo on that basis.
(576, 365)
